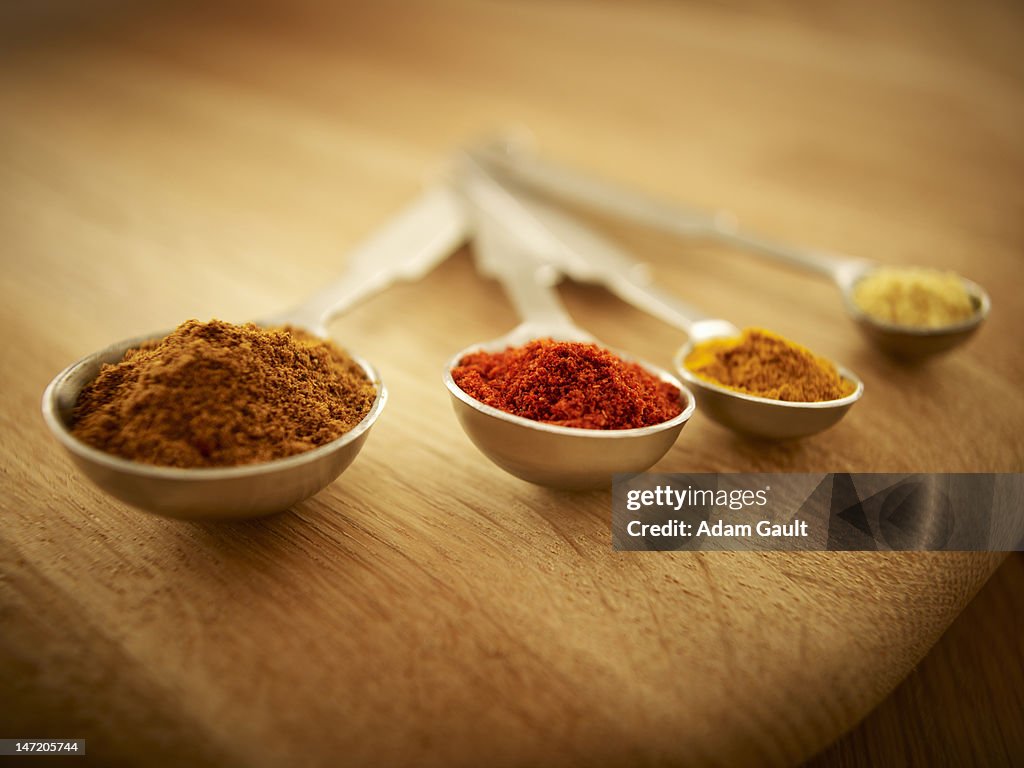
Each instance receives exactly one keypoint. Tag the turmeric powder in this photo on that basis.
(764, 364)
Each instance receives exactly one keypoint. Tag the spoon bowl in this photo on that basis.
(910, 343)
(562, 457)
(250, 490)
(763, 417)
(543, 454)
(409, 245)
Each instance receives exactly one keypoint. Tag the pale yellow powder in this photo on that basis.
(914, 297)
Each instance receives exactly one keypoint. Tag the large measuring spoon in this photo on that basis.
(407, 247)
(512, 162)
(584, 256)
(547, 454)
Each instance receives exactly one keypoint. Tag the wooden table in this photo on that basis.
(161, 162)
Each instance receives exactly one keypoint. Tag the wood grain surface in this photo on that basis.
(166, 161)
(962, 704)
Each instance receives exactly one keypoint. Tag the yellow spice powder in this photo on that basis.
(913, 297)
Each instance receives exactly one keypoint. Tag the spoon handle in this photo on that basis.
(528, 284)
(541, 175)
(508, 253)
(585, 256)
(407, 247)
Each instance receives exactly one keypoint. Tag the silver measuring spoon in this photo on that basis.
(547, 454)
(407, 247)
(585, 256)
(513, 162)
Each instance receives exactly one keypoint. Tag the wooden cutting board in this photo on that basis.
(158, 164)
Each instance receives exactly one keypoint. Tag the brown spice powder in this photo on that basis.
(216, 394)
(765, 364)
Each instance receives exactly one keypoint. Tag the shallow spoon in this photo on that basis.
(513, 162)
(547, 454)
(405, 248)
(585, 256)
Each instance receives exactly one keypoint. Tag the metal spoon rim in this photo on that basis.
(142, 469)
(541, 426)
(691, 378)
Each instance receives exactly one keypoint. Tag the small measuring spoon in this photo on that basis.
(407, 247)
(587, 257)
(547, 454)
(513, 162)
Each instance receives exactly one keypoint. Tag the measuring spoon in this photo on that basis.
(548, 454)
(514, 163)
(407, 247)
(587, 257)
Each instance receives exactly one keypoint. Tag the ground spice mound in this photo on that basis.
(568, 384)
(914, 297)
(216, 394)
(765, 364)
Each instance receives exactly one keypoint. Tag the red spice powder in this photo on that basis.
(569, 384)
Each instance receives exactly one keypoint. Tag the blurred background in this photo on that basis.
(262, 113)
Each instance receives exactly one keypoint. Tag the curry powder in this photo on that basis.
(764, 364)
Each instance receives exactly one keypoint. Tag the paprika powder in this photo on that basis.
(569, 384)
